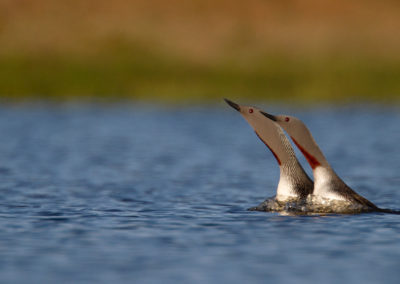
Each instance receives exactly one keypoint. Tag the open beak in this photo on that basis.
(270, 116)
(232, 104)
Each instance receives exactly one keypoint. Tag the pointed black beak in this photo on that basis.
(232, 104)
(270, 116)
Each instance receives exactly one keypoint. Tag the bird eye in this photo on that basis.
(287, 119)
(250, 110)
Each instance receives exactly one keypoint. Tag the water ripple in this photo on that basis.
(95, 193)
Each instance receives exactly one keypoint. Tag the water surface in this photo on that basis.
(148, 194)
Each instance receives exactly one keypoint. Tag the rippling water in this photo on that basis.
(152, 194)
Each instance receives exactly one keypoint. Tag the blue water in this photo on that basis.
(150, 194)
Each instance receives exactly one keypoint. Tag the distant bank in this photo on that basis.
(179, 50)
(140, 74)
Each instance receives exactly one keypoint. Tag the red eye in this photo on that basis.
(287, 119)
(250, 110)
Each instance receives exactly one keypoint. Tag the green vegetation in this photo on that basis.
(139, 74)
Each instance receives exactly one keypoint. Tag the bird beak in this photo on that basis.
(270, 116)
(232, 104)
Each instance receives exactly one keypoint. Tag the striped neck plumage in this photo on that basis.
(293, 181)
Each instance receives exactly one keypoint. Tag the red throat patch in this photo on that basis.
(275, 155)
(310, 158)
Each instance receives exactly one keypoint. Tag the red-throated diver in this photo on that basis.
(294, 183)
(327, 184)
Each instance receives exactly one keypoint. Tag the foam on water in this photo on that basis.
(311, 205)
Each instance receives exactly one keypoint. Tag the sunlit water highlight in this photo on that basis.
(160, 195)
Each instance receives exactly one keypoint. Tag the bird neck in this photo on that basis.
(325, 178)
(312, 152)
(293, 181)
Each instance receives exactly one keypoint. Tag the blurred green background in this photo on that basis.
(200, 50)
